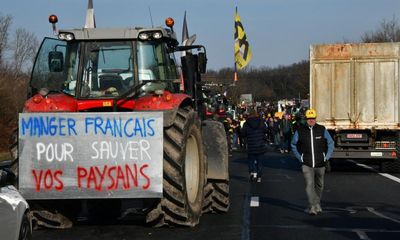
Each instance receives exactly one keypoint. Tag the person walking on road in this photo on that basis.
(277, 132)
(312, 145)
(253, 131)
(287, 128)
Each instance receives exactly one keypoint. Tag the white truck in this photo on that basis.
(355, 91)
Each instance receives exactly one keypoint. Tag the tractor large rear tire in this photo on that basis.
(216, 197)
(184, 173)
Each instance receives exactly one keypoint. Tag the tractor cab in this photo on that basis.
(93, 63)
(101, 63)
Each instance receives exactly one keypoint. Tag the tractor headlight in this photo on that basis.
(66, 36)
(150, 35)
(143, 36)
(157, 35)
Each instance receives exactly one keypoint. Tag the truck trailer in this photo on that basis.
(354, 88)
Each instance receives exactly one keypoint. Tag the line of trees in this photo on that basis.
(265, 83)
(388, 31)
(17, 53)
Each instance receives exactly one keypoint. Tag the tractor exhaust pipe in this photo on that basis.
(90, 20)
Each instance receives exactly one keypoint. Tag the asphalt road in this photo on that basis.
(358, 203)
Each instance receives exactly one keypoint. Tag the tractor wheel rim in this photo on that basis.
(192, 165)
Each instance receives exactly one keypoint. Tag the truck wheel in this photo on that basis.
(184, 173)
(216, 198)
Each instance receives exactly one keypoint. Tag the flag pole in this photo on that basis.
(235, 75)
(242, 52)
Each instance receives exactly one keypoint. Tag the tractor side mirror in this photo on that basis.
(56, 61)
(202, 61)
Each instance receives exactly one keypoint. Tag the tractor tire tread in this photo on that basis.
(173, 208)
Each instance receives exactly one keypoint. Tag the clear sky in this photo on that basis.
(279, 31)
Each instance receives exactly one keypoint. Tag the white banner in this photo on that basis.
(91, 155)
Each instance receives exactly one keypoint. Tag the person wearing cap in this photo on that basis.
(312, 145)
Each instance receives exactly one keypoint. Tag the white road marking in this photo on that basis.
(372, 210)
(254, 201)
(391, 177)
(361, 234)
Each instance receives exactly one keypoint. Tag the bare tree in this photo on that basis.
(389, 31)
(24, 49)
(16, 58)
(5, 22)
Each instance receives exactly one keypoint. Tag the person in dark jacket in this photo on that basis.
(313, 146)
(254, 130)
(287, 131)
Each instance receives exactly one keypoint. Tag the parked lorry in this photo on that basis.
(355, 91)
(106, 119)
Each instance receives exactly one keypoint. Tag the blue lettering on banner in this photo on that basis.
(109, 127)
(116, 127)
(98, 122)
(125, 130)
(37, 126)
(71, 126)
(88, 121)
(25, 125)
(151, 132)
(60, 120)
(52, 127)
(138, 128)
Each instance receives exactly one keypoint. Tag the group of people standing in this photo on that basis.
(279, 130)
(310, 143)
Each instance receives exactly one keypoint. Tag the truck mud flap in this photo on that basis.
(216, 150)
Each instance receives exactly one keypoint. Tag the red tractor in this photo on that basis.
(122, 73)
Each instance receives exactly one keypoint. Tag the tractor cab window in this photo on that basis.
(107, 69)
(155, 63)
(103, 69)
(56, 66)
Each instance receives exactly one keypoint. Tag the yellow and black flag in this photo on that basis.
(242, 47)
